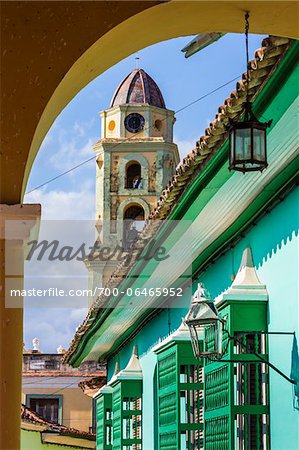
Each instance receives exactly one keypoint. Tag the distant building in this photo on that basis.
(38, 433)
(51, 388)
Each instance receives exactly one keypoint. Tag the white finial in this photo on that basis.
(25, 349)
(61, 350)
(36, 343)
(247, 274)
(202, 293)
(116, 369)
(133, 370)
(107, 389)
(246, 285)
(181, 334)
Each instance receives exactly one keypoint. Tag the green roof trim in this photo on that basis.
(282, 82)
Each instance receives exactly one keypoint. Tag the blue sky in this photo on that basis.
(70, 139)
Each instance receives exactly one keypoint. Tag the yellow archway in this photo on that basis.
(49, 52)
(156, 24)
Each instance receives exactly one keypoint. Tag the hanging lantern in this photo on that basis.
(247, 138)
(205, 325)
(248, 143)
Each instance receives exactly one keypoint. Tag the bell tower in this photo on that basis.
(136, 157)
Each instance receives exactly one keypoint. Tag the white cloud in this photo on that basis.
(53, 327)
(48, 139)
(71, 153)
(69, 146)
(82, 128)
(185, 146)
(64, 148)
(79, 129)
(63, 205)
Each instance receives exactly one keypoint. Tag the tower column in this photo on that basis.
(95, 276)
(136, 158)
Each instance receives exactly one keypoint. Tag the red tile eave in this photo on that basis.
(266, 58)
(30, 416)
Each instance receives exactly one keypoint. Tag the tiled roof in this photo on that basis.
(30, 416)
(266, 60)
(91, 386)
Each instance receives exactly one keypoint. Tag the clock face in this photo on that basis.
(134, 122)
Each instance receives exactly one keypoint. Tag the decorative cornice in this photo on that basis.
(133, 370)
(246, 286)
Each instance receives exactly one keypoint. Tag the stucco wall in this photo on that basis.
(274, 243)
(76, 407)
(31, 440)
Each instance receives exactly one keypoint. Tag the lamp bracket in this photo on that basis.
(233, 338)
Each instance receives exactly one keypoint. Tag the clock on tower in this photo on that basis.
(136, 158)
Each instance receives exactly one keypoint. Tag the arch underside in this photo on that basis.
(132, 26)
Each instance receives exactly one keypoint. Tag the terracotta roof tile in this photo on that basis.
(28, 415)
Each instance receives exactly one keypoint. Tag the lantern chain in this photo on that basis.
(247, 60)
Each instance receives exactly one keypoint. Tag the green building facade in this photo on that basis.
(244, 249)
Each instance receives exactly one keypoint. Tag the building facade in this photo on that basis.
(244, 249)
(51, 389)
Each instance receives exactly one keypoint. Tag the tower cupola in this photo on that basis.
(138, 88)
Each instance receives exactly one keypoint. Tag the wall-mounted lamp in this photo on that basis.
(203, 317)
(206, 329)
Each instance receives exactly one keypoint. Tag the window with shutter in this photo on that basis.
(127, 406)
(180, 394)
(104, 418)
(48, 407)
(236, 413)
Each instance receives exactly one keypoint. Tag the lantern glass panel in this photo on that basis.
(259, 139)
(194, 340)
(211, 339)
(242, 144)
(232, 145)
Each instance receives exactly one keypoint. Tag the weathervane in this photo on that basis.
(137, 59)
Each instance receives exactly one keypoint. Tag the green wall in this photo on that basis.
(274, 243)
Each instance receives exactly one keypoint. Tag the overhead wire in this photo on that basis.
(130, 138)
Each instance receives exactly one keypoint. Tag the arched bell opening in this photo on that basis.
(133, 179)
(133, 223)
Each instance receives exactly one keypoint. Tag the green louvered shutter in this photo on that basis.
(117, 417)
(127, 415)
(180, 397)
(100, 423)
(236, 412)
(104, 421)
